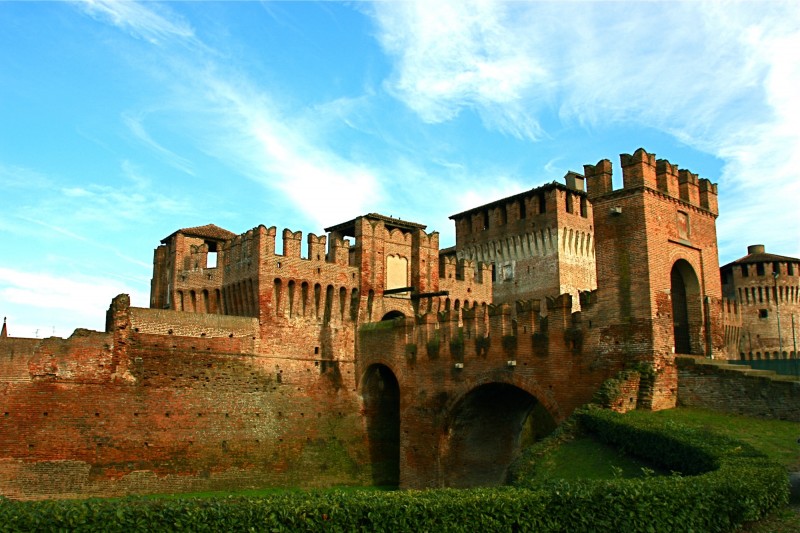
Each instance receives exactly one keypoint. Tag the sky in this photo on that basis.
(121, 122)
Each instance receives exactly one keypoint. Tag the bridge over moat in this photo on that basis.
(450, 398)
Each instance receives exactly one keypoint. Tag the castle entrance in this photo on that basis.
(381, 394)
(686, 308)
(485, 433)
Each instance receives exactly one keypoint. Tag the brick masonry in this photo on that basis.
(380, 359)
(737, 389)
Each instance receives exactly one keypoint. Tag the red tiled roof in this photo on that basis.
(209, 231)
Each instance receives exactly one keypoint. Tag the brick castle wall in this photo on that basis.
(737, 389)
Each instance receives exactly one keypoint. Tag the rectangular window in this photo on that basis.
(683, 225)
(763, 313)
(760, 269)
(745, 271)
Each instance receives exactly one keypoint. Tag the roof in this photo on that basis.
(209, 231)
(349, 226)
(762, 258)
(518, 196)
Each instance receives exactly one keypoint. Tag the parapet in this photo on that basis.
(638, 169)
(598, 178)
(643, 170)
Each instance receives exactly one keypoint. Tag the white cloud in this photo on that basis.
(455, 55)
(720, 77)
(153, 22)
(79, 300)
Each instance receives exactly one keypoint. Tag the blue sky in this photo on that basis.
(121, 122)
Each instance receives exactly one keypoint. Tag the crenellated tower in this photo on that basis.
(539, 243)
(657, 265)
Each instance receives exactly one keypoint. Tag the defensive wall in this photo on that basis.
(737, 389)
(175, 413)
(379, 359)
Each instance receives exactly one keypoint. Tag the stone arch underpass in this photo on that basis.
(463, 433)
(484, 431)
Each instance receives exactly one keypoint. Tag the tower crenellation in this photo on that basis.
(688, 187)
(667, 177)
(638, 170)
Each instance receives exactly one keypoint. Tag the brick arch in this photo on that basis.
(484, 425)
(380, 394)
(389, 305)
(687, 307)
(527, 384)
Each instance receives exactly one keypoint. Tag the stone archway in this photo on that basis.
(486, 431)
(391, 315)
(381, 395)
(687, 310)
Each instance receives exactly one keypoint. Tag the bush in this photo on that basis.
(734, 484)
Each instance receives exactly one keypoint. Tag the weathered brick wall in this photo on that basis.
(440, 365)
(193, 413)
(540, 243)
(196, 419)
(168, 322)
(736, 389)
(662, 222)
(14, 356)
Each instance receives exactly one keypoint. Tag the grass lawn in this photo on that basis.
(587, 458)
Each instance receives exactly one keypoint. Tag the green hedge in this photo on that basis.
(734, 483)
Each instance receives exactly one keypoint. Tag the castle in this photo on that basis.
(765, 286)
(375, 357)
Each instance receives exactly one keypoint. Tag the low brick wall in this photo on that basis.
(737, 389)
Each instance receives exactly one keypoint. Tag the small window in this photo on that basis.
(790, 269)
(745, 271)
(763, 313)
(776, 268)
(760, 269)
(683, 225)
(508, 273)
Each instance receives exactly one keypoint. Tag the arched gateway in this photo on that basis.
(687, 311)
(381, 394)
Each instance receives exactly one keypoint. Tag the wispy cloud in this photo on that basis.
(721, 78)
(152, 22)
(242, 125)
(135, 123)
(473, 60)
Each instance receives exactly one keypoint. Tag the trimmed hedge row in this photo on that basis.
(737, 484)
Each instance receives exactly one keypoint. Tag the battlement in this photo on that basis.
(452, 268)
(642, 169)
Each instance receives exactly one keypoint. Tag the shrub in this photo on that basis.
(734, 484)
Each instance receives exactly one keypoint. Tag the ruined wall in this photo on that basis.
(187, 413)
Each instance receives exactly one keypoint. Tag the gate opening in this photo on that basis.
(381, 394)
